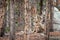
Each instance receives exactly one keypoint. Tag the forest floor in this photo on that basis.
(28, 37)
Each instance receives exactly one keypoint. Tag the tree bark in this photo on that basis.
(49, 16)
(7, 13)
(2, 16)
(12, 21)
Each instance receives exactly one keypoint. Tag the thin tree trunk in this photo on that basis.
(47, 18)
(26, 19)
(12, 21)
(7, 13)
(2, 16)
(49, 14)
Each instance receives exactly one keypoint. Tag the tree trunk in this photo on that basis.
(12, 21)
(49, 16)
(8, 13)
(2, 16)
